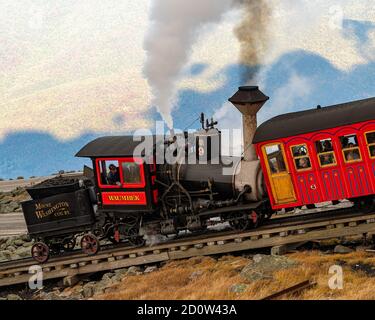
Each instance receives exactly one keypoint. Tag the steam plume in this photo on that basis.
(174, 27)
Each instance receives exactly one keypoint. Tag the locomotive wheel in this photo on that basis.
(239, 222)
(134, 238)
(90, 244)
(69, 244)
(40, 252)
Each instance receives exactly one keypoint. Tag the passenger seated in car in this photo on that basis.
(326, 159)
(113, 175)
(303, 163)
(352, 154)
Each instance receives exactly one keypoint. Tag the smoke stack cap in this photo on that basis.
(248, 99)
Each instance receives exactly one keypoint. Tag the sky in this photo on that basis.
(71, 71)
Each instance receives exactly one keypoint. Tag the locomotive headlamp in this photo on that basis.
(249, 100)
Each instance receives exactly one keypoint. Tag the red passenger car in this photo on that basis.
(319, 155)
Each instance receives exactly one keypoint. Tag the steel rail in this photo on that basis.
(307, 284)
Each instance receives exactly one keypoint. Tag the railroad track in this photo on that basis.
(273, 234)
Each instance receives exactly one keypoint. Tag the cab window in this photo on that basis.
(275, 159)
(301, 157)
(370, 139)
(324, 150)
(350, 148)
(123, 172)
(109, 172)
(131, 172)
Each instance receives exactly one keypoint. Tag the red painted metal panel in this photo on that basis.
(124, 198)
(332, 184)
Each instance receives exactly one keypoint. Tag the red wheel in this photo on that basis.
(90, 244)
(40, 252)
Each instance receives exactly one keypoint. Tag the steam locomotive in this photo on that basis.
(130, 193)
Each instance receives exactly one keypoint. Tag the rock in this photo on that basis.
(279, 250)
(5, 201)
(121, 271)
(18, 242)
(118, 277)
(70, 281)
(10, 241)
(150, 269)
(134, 271)
(342, 249)
(13, 297)
(263, 266)
(108, 276)
(27, 244)
(75, 296)
(101, 286)
(238, 288)
(24, 252)
(52, 296)
(25, 238)
(88, 289)
(11, 207)
(6, 254)
(11, 248)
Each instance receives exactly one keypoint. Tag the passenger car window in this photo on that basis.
(275, 158)
(370, 138)
(301, 157)
(109, 172)
(350, 148)
(324, 150)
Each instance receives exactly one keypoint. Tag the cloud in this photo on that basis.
(284, 97)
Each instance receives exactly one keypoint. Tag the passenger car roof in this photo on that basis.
(296, 123)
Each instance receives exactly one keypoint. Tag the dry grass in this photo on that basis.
(207, 278)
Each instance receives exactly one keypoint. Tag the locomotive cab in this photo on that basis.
(124, 183)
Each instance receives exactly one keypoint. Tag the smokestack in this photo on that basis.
(249, 100)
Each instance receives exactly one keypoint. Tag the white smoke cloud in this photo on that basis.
(229, 118)
(174, 26)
